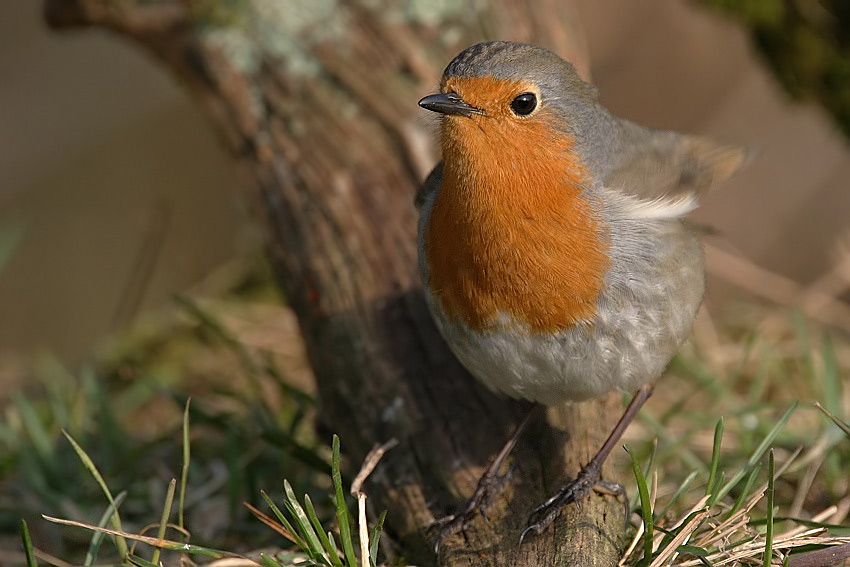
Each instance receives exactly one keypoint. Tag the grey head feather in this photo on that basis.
(639, 161)
(518, 61)
(572, 102)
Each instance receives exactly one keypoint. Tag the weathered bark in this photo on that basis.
(317, 102)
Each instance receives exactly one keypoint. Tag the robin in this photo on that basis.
(551, 249)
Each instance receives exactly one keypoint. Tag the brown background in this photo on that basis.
(102, 154)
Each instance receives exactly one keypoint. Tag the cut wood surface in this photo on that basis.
(317, 103)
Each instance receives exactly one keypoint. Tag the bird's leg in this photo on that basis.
(588, 477)
(488, 485)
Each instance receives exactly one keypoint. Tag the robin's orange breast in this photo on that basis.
(511, 231)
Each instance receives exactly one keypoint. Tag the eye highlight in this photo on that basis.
(524, 104)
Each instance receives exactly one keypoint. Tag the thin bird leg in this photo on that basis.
(588, 477)
(488, 486)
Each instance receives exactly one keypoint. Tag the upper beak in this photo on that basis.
(449, 103)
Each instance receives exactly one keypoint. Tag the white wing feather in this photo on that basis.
(664, 207)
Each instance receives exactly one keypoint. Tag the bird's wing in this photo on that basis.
(429, 186)
(665, 172)
(660, 166)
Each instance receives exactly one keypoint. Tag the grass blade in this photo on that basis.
(269, 561)
(832, 387)
(184, 471)
(758, 453)
(694, 550)
(745, 493)
(141, 561)
(26, 542)
(281, 517)
(329, 547)
(332, 539)
(768, 536)
(645, 510)
(163, 521)
(97, 537)
(375, 538)
(675, 538)
(34, 427)
(840, 423)
(710, 486)
(342, 515)
(115, 520)
(163, 543)
(314, 546)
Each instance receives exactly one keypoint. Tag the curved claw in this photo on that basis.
(445, 527)
(574, 491)
(490, 484)
(535, 528)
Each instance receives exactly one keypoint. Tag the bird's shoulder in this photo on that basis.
(652, 165)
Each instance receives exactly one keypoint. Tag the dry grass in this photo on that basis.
(749, 361)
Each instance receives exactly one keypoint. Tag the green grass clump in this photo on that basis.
(769, 485)
(733, 461)
(316, 545)
(717, 530)
(250, 424)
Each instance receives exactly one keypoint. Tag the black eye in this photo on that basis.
(524, 104)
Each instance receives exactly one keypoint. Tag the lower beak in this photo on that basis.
(449, 103)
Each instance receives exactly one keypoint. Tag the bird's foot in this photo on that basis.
(586, 481)
(489, 485)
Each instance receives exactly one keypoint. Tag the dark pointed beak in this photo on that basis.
(449, 103)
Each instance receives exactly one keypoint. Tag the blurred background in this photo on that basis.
(115, 194)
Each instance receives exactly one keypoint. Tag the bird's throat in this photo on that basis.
(513, 238)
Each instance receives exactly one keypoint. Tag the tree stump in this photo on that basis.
(317, 102)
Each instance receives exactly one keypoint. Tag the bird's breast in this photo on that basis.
(512, 234)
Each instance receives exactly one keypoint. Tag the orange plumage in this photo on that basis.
(511, 231)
